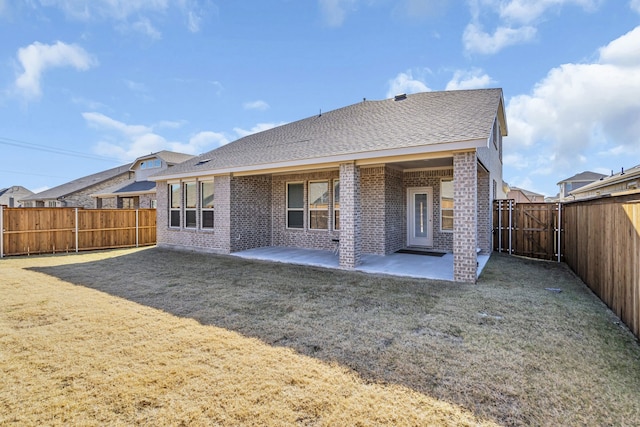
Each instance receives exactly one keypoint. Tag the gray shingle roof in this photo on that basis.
(421, 119)
(170, 157)
(586, 176)
(79, 184)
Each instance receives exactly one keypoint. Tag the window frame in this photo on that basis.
(204, 208)
(312, 210)
(294, 209)
(172, 208)
(190, 211)
(443, 209)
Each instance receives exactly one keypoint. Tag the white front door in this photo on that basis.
(420, 216)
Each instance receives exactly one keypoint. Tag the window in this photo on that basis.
(295, 205)
(336, 204)
(319, 205)
(149, 164)
(206, 204)
(190, 199)
(174, 205)
(446, 205)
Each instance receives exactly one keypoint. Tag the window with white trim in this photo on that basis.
(319, 205)
(190, 202)
(295, 205)
(336, 204)
(446, 205)
(174, 205)
(206, 204)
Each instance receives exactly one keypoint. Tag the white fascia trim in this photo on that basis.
(352, 157)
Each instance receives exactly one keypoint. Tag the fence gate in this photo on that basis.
(528, 229)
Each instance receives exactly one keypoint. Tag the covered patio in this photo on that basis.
(396, 264)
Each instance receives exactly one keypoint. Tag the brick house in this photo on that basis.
(77, 193)
(137, 191)
(11, 196)
(374, 177)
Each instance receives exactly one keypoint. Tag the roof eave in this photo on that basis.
(351, 157)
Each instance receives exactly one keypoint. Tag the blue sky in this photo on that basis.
(86, 85)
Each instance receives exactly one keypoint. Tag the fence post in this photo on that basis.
(559, 230)
(76, 230)
(137, 228)
(1, 231)
(510, 223)
(500, 225)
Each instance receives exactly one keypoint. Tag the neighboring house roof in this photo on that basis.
(585, 176)
(130, 187)
(630, 176)
(530, 194)
(10, 195)
(170, 157)
(412, 124)
(79, 184)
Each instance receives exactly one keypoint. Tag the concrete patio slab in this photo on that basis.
(407, 265)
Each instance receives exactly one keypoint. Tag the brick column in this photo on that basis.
(222, 212)
(350, 214)
(465, 211)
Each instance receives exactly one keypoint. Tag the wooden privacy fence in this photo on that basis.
(602, 246)
(528, 229)
(25, 231)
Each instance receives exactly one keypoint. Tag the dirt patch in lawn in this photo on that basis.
(276, 343)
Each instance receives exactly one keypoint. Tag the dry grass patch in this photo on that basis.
(281, 344)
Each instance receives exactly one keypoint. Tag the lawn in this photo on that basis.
(159, 337)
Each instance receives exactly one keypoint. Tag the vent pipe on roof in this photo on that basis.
(400, 97)
(622, 172)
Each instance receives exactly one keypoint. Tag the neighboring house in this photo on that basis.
(11, 196)
(77, 193)
(138, 191)
(576, 181)
(416, 170)
(520, 195)
(625, 180)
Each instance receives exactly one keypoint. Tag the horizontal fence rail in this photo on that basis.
(26, 231)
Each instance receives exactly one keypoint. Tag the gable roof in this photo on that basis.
(170, 157)
(526, 192)
(586, 176)
(630, 174)
(79, 184)
(416, 123)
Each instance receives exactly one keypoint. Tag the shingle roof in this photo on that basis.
(136, 186)
(629, 174)
(79, 184)
(586, 176)
(171, 157)
(421, 119)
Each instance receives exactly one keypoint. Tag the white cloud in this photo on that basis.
(527, 11)
(476, 40)
(255, 105)
(469, 79)
(334, 12)
(37, 58)
(257, 128)
(579, 109)
(139, 11)
(406, 83)
(145, 27)
(518, 20)
(127, 142)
